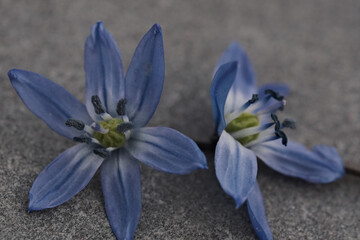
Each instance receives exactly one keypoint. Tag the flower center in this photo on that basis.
(106, 135)
(112, 138)
(243, 121)
(251, 124)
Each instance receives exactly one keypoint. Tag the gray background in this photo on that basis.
(311, 45)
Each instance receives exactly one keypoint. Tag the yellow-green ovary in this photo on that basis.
(243, 121)
(112, 138)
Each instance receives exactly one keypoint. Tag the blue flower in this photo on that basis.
(109, 129)
(248, 128)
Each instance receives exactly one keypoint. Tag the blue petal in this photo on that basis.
(219, 89)
(256, 209)
(280, 88)
(64, 177)
(48, 101)
(166, 149)
(322, 165)
(145, 77)
(245, 84)
(120, 181)
(104, 70)
(236, 168)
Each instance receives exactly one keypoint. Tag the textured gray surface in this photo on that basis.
(312, 46)
(182, 207)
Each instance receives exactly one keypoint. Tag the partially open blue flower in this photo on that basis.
(110, 129)
(248, 128)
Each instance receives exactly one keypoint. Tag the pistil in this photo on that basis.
(243, 122)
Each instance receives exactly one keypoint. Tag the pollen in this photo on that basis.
(112, 138)
(243, 121)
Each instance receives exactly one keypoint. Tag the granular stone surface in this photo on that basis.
(310, 45)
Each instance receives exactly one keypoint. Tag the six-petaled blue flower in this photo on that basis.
(248, 128)
(110, 129)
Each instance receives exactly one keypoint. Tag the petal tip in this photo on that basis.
(334, 161)
(203, 162)
(238, 202)
(31, 207)
(97, 30)
(340, 173)
(34, 204)
(98, 26)
(12, 74)
(203, 165)
(156, 29)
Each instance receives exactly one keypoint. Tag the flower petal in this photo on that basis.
(120, 181)
(245, 84)
(166, 149)
(322, 165)
(64, 177)
(280, 88)
(104, 70)
(219, 89)
(256, 209)
(236, 168)
(145, 77)
(48, 101)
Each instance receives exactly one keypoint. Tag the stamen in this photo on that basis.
(281, 108)
(259, 105)
(123, 127)
(125, 118)
(270, 108)
(88, 129)
(98, 107)
(276, 121)
(120, 109)
(274, 94)
(288, 123)
(233, 115)
(106, 116)
(84, 138)
(98, 128)
(109, 149)
(254, 98)
(262, 139)
(250, 131)
(282, 135)
(79, 125)
(102, 152)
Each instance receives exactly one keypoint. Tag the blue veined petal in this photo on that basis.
(322, 165)
(256, 209)
(145, 77)
(219, 89)
(166, 149)
(48, 101)
(245, 84)
(280, 88)
(64, 177)
(104, 70)
(235, 167)
(120, 181)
